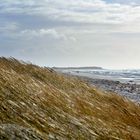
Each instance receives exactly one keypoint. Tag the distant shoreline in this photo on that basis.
(88, 67)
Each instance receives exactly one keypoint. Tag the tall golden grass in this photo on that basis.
(63, 107)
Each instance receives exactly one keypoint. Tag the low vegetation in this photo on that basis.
(38, 103)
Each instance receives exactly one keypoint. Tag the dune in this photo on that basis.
(37, 103)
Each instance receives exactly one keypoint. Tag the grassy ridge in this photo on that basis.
(53, 106)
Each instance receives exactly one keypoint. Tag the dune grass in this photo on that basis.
(62, 107)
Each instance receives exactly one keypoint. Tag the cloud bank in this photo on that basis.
(65, 31)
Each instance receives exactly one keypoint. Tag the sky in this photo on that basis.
(50, 33)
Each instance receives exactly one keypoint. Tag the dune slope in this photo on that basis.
(38, 103)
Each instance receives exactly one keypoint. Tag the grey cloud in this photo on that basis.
(98, 10)
(66, 33)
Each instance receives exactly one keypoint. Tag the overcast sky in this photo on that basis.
(72, 32)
